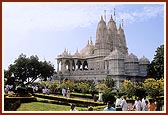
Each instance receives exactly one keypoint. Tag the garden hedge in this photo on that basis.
(65, 100)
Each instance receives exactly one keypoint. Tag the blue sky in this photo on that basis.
(46, 29)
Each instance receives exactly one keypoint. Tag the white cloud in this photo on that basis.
(59, 17)
(143, 14)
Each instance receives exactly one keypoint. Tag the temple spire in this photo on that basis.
(111, 17)
(105, 16)
(91, 43)
(102, 18)
(88, 42)
(65, 50)
(122, 24)
(114, 15)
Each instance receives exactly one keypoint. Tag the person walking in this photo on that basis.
(151, 105)
(72, 107)
(68, 93)
(118, 103)
(145, 107)
(100, 99)
(137, 105)
(124, 104)
(144, 103)
(63, 92)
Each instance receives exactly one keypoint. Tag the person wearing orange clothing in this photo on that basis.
(151, 106)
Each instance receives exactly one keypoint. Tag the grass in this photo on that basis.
(38, 106)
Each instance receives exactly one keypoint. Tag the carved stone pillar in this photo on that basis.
(75, 64)
(63, 68)
(58, 61)
(105, 62)
(82, 64)
(70, 66)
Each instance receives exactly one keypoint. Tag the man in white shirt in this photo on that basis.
(144, 102)
(118, 104)
(100, 99)
(63, 92)
(137, 105)
(124, 104)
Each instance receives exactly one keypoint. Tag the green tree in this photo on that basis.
(83, 86)
(27, 70)
(103, 88)
(67, 84)
(109, 82)
(127, 87)
(139, 90)
(156, 68)
(154, 87)
(52, 85)
(43, 84)
(7, 74)
(46, 70)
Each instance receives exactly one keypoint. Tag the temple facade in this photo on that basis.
(107, 57)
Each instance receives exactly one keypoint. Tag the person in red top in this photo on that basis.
(151, 105)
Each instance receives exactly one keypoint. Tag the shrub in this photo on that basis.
(108, 97)
(78, 102)
(24, 91)
(11, 105)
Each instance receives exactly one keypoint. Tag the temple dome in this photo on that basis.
(77, 54)
(144, 60)
(65, 54)
(131, 58)
(87, 50)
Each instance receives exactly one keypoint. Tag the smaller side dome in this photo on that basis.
(87, 50)
(144, 60)
(131, 58)
(77, 54)
(65, 53)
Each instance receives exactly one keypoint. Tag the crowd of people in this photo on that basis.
(139, 104)
(122, 105)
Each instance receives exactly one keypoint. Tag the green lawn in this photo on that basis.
(39, 106)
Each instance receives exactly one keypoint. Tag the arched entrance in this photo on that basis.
(67, 65)
(85, 65)
(73, 65)
(79, 65)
